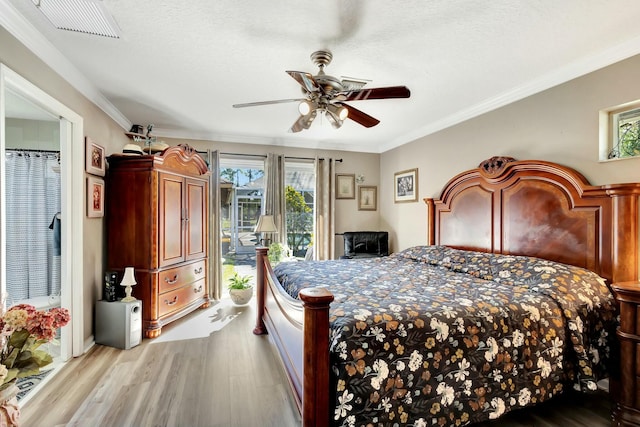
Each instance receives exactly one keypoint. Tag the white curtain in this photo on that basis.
(33, 224)
(215, 240)
(274, 196)
(324, 230)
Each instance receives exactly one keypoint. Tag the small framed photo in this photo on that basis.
(95, 197)
(406, 186)
(345, 186)
(95, 159)
(367, 198)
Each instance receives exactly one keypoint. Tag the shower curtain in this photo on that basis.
(33, 224)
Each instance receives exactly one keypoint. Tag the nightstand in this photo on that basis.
(626, 410)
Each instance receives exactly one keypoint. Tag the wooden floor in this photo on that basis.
(209, 370)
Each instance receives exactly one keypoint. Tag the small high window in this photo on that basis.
(623, 132)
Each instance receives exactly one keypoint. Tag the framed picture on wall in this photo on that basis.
(95, 197)
(95, 159)
(367, 198)
(345, 186)
(405, 186)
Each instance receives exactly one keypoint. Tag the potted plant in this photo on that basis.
(23, 330)
(278, 252)
(240, 289)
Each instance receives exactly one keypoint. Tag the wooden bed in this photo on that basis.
(504, 206)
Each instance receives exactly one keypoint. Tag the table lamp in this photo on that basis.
(128, 280)
(265, 225)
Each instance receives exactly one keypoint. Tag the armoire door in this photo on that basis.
(196, 225)
(172, 217)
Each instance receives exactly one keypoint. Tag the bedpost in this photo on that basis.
(315, 406)
(625, 230)
(431, 228)
(261, 254)
(623, 243)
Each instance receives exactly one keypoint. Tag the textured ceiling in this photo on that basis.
(181, 64)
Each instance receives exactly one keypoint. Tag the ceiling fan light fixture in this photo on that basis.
(305, 107)
(339, 112)
(343, 113)
(333, 117)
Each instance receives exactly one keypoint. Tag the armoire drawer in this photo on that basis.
(174, 278)
(178, 298)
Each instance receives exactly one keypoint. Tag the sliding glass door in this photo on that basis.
(241, 194)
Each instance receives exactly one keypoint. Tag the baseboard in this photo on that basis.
(89, 343)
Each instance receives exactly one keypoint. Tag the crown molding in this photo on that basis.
(262, 140)
(556, 77)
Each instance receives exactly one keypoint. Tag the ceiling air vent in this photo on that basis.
(83, 16)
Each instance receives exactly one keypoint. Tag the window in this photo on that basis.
(621, 133)
(299, 184)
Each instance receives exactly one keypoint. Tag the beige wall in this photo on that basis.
(32, 134)
(559, 125)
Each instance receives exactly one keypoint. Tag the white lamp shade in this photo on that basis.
(339, 112)
(266, 224)
(128, 279)
(305, 107)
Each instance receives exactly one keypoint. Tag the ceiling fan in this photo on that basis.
(327, 94)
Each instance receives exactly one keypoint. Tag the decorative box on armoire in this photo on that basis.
(157, 222)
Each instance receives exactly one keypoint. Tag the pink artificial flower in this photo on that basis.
(61, 316)
(41, 325)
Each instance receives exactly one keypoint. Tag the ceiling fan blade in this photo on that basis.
(305, 79)
(378, 93)
(304, 122)
(277, 101)
(359, 117)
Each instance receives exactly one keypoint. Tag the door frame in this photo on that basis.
(72, 203)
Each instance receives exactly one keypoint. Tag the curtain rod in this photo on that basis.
(32, 150)
(242, 154)
(310, 158)
(286, 157)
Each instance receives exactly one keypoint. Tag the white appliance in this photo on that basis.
(119, 324)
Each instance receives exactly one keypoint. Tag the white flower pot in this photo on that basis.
(241, 296)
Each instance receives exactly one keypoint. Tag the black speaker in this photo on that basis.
(110, 283)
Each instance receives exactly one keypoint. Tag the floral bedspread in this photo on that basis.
(433, 336)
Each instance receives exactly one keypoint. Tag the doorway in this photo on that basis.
(242, 192)
(22, 107)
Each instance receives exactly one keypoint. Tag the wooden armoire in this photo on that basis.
(157, 222)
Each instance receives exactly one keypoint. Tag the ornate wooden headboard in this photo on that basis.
(540, 209)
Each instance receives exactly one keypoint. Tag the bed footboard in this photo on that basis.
(300, 332)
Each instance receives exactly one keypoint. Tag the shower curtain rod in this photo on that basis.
(32, 150)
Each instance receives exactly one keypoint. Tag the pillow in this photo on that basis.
(475, 263)
(429, 254)
(506, 269)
